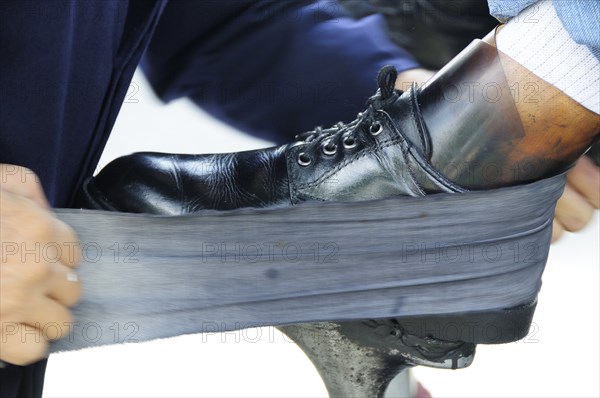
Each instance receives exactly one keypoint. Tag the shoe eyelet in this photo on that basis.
(303, 159)
(349, 142)
(376, 128)
(329, 148)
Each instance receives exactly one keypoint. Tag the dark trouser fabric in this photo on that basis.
(22, 381)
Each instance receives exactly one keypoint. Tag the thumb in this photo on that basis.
(23, 182)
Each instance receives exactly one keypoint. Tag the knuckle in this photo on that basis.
(68, 232)
(54, 330)
(582, 218)
(23, 349)
(30, 276)
(37, 271)
(74, 294)
(34, 351)
(15, 289)
(41, 226)
(67, 315)
(14, 301)
(575, 224)
(64, 317)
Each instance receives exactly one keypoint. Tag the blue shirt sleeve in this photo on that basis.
(580, 18)
(270, 68)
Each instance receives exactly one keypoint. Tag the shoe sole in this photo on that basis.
(479, 327)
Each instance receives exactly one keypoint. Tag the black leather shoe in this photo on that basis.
(382, 153)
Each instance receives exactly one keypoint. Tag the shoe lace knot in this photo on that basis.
(386, 93)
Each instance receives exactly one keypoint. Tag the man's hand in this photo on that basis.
(575, 207)
(37, 280)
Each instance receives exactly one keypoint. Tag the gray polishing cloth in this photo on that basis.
(148, 277)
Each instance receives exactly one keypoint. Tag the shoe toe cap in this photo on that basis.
(137, 183)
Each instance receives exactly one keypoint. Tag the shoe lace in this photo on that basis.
(386, 80)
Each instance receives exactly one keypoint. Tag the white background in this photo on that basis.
(559, 358)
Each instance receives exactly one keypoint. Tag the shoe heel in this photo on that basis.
(482, 327)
